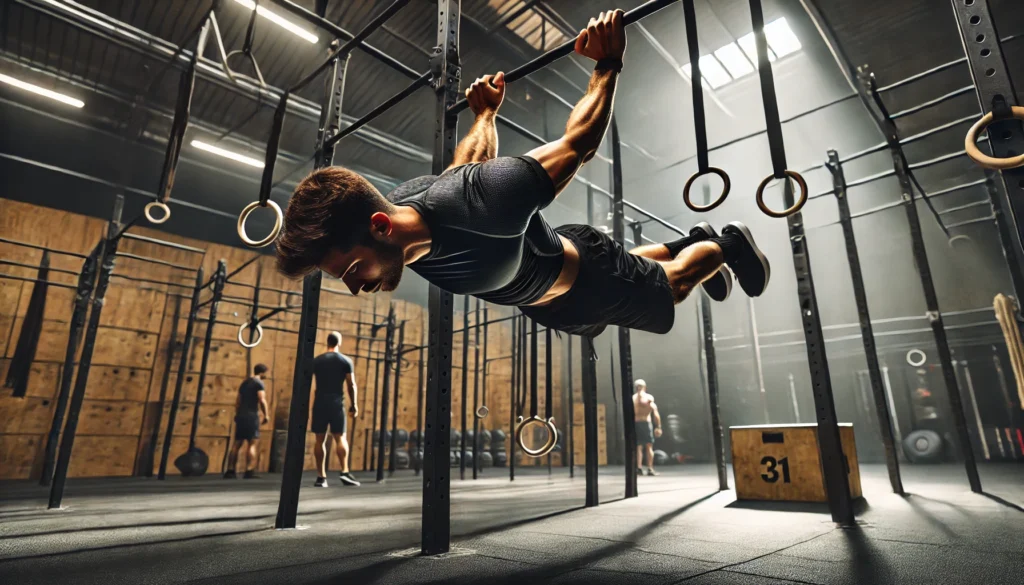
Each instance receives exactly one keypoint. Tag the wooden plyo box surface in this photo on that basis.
(782, 462)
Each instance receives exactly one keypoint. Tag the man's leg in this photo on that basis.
(251, 454)
(692, 266)
(650, 458)
(341, 448)
(718, 285)
(233, 458)
(320, 454)
(639, 457)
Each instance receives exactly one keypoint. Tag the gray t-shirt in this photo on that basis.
(330, 370)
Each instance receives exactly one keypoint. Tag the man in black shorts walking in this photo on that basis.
(251, 411)
(476, 229)
(333, 370)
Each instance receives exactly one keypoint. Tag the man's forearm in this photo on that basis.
(589, 119)
(481, 143)
(353, 393)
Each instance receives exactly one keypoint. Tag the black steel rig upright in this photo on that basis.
(588, 381)
(996, 94)
(709, 371)
(385, 390)
(446, 76)
(302, 379)
(876, 107)
(833, 462)
(866, 330)
(106, 268)
(625, 347)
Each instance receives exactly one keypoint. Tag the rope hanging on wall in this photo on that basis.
(1007, 314)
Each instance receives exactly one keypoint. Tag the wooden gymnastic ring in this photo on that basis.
(482, 412)
(726, 187)
(278, 223)
(801, 200)
(523, 423)
(918, 363)
(148, 212)
(984, 160)
(259, 336)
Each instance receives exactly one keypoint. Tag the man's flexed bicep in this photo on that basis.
(604, 40)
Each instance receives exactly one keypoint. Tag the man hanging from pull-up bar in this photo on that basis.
(476, 228)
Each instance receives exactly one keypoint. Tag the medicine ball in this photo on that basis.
(456, 437)
(498, 438)
(469, 458)
(485, 438)
(500, 459)
(923, 446)
(470, 435)
(660, 457)
(402, 460)
(453, 458)
(414, 436)
(402, 435)
(486, 459)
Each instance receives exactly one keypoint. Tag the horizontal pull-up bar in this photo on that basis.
(932, 103)
(36, 267)
(151, 281)
(240, 268)
(894, 204)
(47, 282)
(174, 245)
(936, 69)
(892, 172)
(640, 12)
(155, 261)
(421, 81)
(44, 248)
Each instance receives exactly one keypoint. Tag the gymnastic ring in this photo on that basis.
(910, 360)
(796, 206)
(148, 212)
(522, 424)
(482, 412)
(984, 160)
(959, 238)
(278, 223)
(259, 336)
(726, 187)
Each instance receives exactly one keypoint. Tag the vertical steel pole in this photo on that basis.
(394, 410)
(465, 385)
(934, 314)
(589, 357)
(834, 465)
(179, 382)
(109, 255)
(625, 347)
(867, 333)
(86, 281)
(996, 94)
(476, 391)
(571, 440)
(436, 514)
(302, 378)
(385, 392)
(711, 375)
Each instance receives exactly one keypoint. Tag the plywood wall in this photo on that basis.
(140, 345)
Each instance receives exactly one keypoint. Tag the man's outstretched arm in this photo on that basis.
(604, 40)
(481, 143)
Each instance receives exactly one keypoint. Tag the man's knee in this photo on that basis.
(341, 441)
(321, 440)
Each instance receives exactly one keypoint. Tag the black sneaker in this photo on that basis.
(750, 266)
(639, 472)
(347, 479)
(251, 474)
(719, 285)
(320, 482)
(230, 474)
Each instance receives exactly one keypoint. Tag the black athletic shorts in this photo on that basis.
(247, 426)
(644, 432)
(329, 413)
(613, 287)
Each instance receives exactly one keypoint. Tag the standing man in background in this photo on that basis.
(251, 411)
(643, 409)
(333, 370)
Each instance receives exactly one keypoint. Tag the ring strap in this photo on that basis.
(776, 146)
(548, 392)
(699, 122)
(533, 368)
(181, 116)
(273, 144)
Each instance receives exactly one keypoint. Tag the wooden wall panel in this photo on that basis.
(29, 415)
(102, 456)
(133, 307)
(117, 383)
(18, 453)
(110, 417)
(53, 340)
(121, 347)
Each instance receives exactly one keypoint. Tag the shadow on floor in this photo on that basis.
(860, 505)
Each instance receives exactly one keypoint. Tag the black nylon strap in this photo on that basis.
(273, 144)
(699, 122)
(548, 392)
(533, 368)
(250, 31)
(771, 104)
(181, 116)
(31, 327)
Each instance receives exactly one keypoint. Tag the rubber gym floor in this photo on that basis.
(535, 530)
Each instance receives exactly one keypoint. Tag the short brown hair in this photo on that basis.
(330, 208)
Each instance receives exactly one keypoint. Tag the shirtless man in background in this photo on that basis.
(643, 409)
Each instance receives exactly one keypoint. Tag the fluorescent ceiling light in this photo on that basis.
(747, 44)
(279, 20)
(732, 57)
(228, 154)
(781, 38)
(41, 91)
